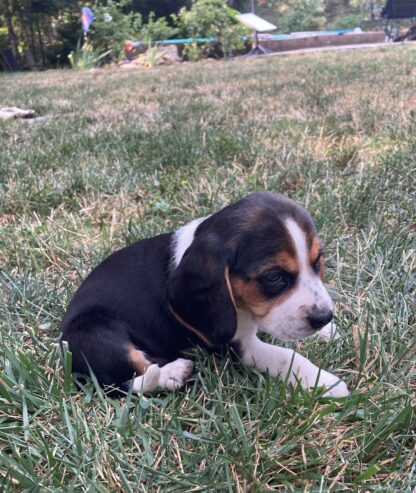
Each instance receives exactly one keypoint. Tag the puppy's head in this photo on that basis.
(261, 256)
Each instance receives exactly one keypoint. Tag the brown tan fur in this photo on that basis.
(229, 286)
(321, 268)
(314, 251)
(191, 328)
(248, 296)
(137, 360)
(287, 262)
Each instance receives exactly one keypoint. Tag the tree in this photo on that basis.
(7, 11)
(34, 25)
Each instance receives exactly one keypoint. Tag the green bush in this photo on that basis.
(84, 57)
(348, 22)
(112, 27)
(211, 18)
(306, 15)
(156, 29)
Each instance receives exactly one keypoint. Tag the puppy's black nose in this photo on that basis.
(319, 318)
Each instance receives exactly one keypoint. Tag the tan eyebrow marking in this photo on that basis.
(315, 253)
(315, 249)
(287, 262)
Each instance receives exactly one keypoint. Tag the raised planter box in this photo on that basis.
(316, 41)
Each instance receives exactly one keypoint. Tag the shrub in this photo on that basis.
(212, 18)
(156, 29)
(306, 15)
(348, 22)
(112, 27)
(84, 57)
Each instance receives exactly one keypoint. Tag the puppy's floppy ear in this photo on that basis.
(200, 294)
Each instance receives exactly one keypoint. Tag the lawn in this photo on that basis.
(121, 155)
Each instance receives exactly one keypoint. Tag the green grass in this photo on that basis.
(119, 156)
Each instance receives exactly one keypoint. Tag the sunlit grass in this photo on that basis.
(120, 156)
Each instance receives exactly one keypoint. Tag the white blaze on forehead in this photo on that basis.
(310, 287)
(183, 238)
(289, 320)
(300, 242)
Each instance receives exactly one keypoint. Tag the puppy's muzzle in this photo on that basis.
(319, 318)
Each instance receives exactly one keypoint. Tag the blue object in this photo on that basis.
(185, 41)
(87, 18)
(269, 37)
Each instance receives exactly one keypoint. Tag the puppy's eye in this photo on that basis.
(316, 266)
(273, 282)
(274, 277)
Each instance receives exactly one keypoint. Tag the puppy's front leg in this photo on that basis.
(287, 363)
(329, 332)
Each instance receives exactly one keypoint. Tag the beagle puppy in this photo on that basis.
(254, 266)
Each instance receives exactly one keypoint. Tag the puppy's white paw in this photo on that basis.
(174, 375)
(148, 381)
(335, 386)
(329, 331)
(340, 390)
